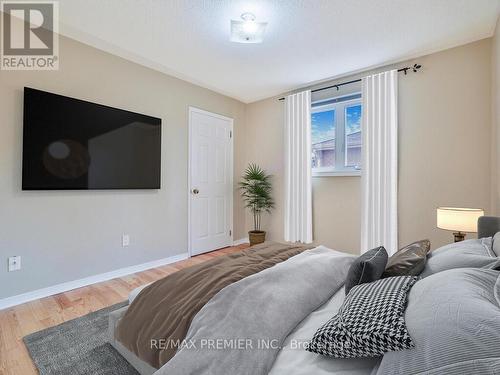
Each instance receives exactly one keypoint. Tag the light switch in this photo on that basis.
(14, 263)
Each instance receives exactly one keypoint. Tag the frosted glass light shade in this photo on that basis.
(247, 30)
(458, 219)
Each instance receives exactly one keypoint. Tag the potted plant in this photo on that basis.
(256, 192)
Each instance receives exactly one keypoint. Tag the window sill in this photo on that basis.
(337, 174)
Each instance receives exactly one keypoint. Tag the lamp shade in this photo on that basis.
(458, 219)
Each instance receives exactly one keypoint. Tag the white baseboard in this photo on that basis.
(241, 241)
(64, 287)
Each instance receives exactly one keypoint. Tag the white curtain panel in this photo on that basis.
(298, 189)
(379, 176)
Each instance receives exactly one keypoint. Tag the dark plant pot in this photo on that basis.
(256, 237)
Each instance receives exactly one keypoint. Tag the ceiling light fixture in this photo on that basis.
(247, 31)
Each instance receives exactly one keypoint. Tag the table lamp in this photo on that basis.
(459, 220)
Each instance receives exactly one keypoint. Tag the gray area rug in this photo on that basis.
(78, 347)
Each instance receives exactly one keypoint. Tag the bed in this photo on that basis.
(266, 316)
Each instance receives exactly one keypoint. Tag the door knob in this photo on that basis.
(195, 191)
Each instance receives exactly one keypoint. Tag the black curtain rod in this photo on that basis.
(415, 68)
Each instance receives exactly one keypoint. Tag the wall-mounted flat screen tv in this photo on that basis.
(71, 144)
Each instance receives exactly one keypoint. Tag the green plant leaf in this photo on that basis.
(256, 189)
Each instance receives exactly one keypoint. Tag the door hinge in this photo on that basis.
(230, 134)
(230, 232)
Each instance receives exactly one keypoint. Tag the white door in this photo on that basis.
(210, 181)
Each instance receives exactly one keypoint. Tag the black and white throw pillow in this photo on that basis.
(369, 323)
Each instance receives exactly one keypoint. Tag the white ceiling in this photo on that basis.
(305, 41)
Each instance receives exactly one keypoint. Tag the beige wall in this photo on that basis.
(444, 151)
(65, 235)
(495, 114)
(445, 130)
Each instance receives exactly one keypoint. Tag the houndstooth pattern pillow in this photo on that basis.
(369, 323)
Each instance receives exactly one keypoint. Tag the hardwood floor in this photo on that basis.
(19, 321)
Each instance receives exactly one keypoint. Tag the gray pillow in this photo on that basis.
(454, 321)
(366, 268)
(495, 246)
(408, 261)
(475, 253)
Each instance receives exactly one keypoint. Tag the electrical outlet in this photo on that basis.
(125, 240)
(14, 263)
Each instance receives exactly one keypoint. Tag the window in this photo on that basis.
(336, 136)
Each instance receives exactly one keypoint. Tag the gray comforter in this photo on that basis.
(241, 329)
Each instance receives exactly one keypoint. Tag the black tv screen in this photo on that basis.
(71, 144)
